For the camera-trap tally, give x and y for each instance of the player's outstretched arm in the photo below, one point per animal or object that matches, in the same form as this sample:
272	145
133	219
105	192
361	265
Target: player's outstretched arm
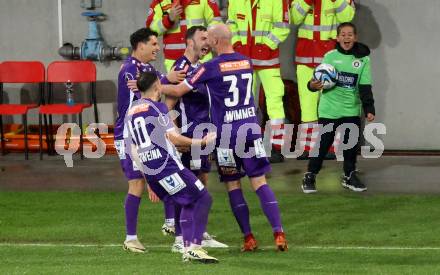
179	140
176	90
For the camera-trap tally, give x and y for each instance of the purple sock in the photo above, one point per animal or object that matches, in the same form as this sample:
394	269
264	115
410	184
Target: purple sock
200	216
177	211
131	213
186	223
240	209
270	208
168	205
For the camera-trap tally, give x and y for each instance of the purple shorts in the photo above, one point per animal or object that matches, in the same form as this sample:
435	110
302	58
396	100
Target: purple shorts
230	165
183	187
202	165
129	168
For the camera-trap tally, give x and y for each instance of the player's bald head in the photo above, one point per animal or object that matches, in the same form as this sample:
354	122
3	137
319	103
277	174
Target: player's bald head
220	32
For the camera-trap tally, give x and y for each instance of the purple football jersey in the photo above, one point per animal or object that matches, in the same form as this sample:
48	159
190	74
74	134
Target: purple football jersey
130	70
147	123
193	107
227	81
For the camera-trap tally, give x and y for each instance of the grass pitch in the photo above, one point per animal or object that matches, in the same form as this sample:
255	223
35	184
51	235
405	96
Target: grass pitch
335	233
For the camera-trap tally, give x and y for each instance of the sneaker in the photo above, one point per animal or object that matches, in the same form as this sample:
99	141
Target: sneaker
308	184
280	241
178	247
276	156
353	183
303	156
134	246
168	230
250	243
209	241
198	255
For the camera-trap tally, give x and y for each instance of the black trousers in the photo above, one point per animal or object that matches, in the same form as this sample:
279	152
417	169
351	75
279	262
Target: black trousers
350	155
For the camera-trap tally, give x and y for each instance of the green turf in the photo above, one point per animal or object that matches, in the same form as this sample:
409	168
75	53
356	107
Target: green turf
333	220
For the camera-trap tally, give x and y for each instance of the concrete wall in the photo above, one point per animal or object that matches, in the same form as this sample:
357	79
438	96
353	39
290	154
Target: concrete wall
402	35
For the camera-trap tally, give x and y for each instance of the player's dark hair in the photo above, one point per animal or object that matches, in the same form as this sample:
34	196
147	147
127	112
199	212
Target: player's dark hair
141	35
192	31
146	80
346	24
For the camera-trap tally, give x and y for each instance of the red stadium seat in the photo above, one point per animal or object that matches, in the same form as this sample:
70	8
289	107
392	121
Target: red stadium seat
20	72
63	72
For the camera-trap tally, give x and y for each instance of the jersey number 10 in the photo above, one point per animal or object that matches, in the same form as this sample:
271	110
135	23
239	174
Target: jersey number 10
140	134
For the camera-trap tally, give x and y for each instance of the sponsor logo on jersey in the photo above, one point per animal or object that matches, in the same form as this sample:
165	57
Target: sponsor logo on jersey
138	108
347	80
356	64
235	65
198	74
150	12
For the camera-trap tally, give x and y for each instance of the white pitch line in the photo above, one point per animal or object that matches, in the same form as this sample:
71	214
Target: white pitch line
233	247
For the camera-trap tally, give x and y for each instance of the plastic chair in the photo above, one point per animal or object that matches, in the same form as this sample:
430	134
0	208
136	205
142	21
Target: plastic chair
64	72
20	72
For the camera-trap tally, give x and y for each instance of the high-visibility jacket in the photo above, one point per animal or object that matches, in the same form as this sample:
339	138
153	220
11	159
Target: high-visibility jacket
317	22
258	27
195	13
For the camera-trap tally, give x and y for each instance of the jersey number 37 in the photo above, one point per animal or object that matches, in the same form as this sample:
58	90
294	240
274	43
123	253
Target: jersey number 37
235	99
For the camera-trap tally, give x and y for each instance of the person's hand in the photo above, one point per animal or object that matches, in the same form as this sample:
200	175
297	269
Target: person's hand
131	84
176	76
209	138
152	196
175	12
370	117
316	84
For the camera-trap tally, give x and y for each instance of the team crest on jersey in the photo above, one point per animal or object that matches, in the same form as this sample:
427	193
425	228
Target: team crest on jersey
356	64
150	12
235	65
163	120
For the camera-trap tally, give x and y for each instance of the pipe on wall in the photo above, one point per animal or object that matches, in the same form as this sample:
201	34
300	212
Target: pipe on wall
60	24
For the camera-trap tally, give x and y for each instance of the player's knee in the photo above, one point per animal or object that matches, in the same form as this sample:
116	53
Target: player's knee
233	185
257	182
136	187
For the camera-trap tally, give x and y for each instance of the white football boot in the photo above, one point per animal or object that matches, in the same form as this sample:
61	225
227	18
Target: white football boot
209	241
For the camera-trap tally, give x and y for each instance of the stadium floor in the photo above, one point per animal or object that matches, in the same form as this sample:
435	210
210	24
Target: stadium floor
388	174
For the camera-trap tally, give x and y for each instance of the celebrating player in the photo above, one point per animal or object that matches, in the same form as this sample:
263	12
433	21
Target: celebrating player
145	47
194	110
152	132
227	81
